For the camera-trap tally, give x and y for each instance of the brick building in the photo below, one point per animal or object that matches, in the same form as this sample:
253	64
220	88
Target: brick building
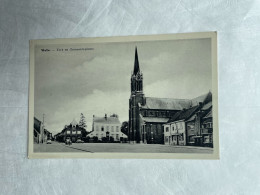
147	115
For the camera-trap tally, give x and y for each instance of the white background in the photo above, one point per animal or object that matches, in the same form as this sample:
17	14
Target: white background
237	23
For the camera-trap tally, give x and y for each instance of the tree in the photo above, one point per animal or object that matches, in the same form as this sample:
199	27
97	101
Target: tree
124	127
82	121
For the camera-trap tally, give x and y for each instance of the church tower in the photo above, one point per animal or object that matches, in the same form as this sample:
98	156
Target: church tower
136	99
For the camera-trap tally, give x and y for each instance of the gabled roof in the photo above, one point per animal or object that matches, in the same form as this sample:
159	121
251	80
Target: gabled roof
205	98
74	122
208	115
184	114
207	106
106	120
166	103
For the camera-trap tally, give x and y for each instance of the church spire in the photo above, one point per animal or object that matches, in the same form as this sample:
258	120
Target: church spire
136	66
137	77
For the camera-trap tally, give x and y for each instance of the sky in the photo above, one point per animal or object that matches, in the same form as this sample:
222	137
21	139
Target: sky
96	81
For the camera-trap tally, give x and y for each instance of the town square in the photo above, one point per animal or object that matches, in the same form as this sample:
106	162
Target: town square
154	125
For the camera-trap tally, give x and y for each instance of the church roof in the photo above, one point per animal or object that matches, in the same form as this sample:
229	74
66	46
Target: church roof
106	120
166	103
136	65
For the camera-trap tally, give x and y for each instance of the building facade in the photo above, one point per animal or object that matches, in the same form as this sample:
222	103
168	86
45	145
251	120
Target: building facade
191	126
72	131
106	127
177	127
147	115
40	134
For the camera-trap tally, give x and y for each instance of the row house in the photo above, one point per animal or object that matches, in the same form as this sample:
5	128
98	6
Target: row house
40	134
191	126
175	128
200	127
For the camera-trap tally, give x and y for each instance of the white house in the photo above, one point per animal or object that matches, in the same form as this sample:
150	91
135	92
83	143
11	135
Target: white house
107	127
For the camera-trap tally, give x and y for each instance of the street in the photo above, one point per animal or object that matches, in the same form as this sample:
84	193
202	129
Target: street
119	148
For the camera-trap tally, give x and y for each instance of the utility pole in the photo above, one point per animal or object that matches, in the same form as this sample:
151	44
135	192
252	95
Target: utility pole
42	136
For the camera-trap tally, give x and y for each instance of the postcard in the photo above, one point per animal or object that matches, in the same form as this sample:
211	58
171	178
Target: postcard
143	97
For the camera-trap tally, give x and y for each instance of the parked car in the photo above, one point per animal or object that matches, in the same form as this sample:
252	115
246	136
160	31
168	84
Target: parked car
79	141
68	141
48	141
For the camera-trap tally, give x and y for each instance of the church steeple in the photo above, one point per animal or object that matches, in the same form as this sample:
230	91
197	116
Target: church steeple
137	77
136	65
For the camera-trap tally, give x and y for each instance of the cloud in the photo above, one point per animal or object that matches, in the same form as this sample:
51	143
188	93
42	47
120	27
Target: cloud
98	103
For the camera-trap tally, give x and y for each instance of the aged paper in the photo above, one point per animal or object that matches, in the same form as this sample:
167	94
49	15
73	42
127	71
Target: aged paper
151	96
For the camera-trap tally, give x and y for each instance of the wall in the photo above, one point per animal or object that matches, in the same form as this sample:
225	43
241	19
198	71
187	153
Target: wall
237	23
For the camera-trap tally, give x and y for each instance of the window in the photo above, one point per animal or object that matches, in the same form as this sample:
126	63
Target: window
97	134
117	136
167	129
112	128
68	132
79	132
112	135
102	128
107	128
97	128
117	129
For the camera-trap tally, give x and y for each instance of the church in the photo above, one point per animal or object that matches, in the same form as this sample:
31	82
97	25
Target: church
147	115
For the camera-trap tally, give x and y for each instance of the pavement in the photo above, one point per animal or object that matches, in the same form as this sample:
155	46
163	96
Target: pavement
118	148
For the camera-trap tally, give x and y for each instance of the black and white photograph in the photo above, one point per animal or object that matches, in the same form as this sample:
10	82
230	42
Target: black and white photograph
124	97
